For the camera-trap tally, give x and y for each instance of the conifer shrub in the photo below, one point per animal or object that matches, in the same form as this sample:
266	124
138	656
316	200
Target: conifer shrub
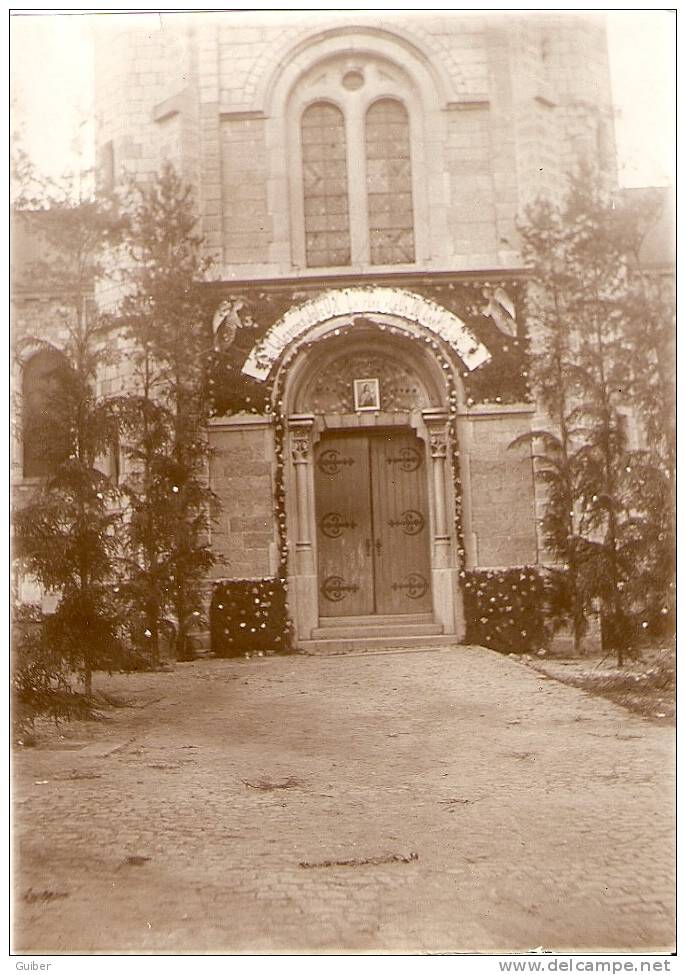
249	616
506	609
41	680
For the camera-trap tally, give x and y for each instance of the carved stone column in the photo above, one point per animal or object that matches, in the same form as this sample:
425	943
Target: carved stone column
443	567
437	427
303	576
301	458
439	453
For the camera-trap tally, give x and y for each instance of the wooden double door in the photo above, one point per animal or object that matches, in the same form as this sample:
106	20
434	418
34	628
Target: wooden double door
372	524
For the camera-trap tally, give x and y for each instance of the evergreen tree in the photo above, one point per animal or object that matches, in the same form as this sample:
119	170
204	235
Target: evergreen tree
651	338
555	377
597	307
167	314
607	506
65	534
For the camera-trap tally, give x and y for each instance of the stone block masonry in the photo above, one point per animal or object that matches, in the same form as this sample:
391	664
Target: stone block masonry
498	479
504	122
241	474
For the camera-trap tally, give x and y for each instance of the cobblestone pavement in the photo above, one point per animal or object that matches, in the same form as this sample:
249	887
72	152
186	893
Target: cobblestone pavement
539	816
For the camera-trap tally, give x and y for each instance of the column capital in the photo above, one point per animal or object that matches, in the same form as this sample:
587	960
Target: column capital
300	429
300	448
438	442
437	427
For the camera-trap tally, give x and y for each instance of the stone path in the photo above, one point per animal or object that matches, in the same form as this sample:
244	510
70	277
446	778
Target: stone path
498	810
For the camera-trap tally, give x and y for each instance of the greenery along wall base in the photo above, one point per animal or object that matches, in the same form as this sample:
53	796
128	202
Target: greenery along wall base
249	616
506	609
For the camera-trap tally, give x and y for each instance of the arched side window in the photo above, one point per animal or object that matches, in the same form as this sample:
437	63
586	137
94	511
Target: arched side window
325	186
46	441
389	183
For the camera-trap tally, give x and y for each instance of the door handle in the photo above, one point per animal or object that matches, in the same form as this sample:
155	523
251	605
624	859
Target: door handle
377	546
367	547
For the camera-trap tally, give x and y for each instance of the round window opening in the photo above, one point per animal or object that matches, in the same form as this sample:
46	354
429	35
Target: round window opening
352	80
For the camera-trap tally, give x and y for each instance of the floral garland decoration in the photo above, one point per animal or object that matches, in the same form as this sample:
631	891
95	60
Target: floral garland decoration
504	379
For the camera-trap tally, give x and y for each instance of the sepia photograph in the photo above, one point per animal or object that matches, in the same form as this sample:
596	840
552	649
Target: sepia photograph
343	484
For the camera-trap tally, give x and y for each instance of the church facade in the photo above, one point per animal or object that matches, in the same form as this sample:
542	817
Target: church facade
359	183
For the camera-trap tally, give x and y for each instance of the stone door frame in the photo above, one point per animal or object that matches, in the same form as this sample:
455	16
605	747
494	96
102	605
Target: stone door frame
303	432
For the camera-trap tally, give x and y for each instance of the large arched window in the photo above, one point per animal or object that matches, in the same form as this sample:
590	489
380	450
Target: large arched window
357	175
325	186
382	202
389	183
46	441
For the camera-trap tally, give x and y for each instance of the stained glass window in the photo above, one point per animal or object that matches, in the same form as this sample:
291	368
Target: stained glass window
325	186
389	183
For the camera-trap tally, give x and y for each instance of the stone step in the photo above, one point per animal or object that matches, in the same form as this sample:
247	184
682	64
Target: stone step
376	620
375	643
379	630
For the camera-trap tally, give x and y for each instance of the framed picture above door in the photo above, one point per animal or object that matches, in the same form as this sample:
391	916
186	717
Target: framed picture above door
366	395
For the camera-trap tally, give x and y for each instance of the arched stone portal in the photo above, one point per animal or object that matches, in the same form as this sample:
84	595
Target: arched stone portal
369	490
411	313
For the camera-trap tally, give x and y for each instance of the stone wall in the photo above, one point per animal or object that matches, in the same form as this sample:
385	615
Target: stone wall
246	220
516	100
497	480
472	217
242	477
